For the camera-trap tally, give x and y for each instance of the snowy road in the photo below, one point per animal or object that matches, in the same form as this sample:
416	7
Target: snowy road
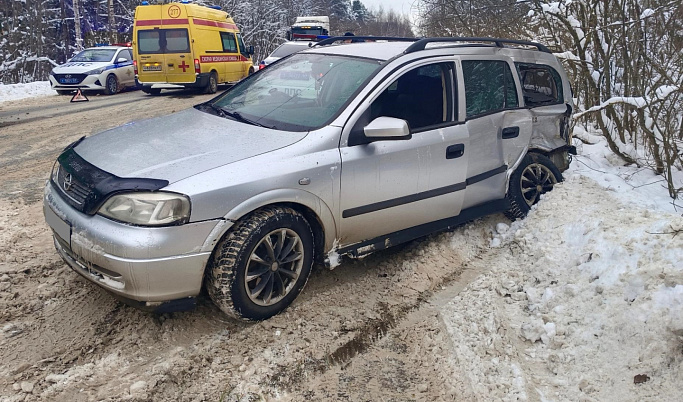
580	301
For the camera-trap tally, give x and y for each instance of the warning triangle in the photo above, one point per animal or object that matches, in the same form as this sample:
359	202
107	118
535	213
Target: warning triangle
79	97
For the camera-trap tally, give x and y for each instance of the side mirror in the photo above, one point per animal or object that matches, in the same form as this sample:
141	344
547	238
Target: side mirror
387	128
121	60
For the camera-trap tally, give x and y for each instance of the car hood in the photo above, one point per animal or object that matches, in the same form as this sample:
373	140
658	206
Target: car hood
179	145
75	67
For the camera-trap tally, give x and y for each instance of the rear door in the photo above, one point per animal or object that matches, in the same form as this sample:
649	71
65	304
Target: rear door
178	61
499	129
146	41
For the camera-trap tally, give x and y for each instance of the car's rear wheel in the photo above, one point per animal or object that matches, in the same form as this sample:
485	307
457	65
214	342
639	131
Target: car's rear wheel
262	264
536	175
112	85
212	86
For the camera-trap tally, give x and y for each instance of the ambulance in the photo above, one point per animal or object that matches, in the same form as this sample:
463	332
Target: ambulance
188	45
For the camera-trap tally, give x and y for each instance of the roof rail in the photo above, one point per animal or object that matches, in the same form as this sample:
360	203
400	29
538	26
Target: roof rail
422	43
354	39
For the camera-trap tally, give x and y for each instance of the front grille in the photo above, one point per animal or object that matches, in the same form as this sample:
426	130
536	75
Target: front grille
86	187
69	78
71	186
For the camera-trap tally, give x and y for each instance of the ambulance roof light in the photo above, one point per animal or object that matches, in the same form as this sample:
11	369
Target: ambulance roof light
216	7
184	1
145	3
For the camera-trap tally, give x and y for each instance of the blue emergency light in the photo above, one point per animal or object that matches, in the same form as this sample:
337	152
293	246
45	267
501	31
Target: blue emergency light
145	3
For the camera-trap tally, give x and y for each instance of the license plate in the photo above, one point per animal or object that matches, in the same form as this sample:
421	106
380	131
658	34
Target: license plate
68	80
61	228
151	68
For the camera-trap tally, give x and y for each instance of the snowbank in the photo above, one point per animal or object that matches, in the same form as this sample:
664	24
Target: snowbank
13	92
584	298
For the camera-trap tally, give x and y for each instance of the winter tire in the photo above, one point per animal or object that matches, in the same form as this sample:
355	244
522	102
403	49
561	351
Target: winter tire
112	85
212	86
536	175
261	264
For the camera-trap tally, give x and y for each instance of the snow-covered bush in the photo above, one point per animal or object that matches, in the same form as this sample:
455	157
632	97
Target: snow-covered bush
626	61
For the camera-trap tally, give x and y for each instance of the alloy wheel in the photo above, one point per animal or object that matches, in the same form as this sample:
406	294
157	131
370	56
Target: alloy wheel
536	179
274	267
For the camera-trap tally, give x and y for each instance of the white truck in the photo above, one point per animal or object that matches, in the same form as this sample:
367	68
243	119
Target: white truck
309	28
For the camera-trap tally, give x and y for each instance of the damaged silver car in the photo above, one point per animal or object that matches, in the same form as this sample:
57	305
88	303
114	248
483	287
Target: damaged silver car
341	149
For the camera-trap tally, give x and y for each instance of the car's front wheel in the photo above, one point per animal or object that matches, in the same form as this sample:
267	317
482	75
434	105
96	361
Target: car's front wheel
262	264
535	175
112	85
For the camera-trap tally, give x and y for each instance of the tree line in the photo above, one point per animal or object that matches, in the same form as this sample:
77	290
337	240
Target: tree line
39	34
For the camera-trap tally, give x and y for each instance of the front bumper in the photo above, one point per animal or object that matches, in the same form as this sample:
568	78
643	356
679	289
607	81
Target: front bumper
150	266
90	82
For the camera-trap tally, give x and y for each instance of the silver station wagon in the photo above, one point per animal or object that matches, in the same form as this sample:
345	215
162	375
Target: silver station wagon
341	149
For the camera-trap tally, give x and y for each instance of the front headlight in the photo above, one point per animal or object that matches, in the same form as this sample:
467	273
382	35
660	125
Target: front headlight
96	71
148	209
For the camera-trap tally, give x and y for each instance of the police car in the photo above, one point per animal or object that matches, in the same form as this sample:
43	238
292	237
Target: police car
285	50
103	68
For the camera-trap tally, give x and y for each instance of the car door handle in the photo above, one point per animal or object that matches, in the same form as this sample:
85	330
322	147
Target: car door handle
510	132
455	151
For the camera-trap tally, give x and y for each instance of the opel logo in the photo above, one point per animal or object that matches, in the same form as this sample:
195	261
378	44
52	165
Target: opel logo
68	182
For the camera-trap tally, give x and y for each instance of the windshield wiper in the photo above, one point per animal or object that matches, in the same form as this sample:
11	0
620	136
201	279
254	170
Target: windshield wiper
237	116
233	115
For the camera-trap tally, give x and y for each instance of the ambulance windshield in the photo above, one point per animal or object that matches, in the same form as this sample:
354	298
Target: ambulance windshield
300	93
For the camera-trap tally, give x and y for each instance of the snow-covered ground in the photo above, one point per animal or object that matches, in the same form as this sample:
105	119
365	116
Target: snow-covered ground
581	301
584	300
13	92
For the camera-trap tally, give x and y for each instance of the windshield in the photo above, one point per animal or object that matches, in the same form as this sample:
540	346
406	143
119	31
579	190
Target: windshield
288	48
95	55
300	93
307	30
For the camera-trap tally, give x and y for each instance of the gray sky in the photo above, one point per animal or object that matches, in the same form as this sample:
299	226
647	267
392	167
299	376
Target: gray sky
400	6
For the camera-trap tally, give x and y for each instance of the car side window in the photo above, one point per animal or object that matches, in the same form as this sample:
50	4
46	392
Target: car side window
541	85
489	87
240	42
125	53
423	97
229	43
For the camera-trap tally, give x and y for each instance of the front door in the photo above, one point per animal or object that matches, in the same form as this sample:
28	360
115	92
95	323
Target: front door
233	67
390	185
